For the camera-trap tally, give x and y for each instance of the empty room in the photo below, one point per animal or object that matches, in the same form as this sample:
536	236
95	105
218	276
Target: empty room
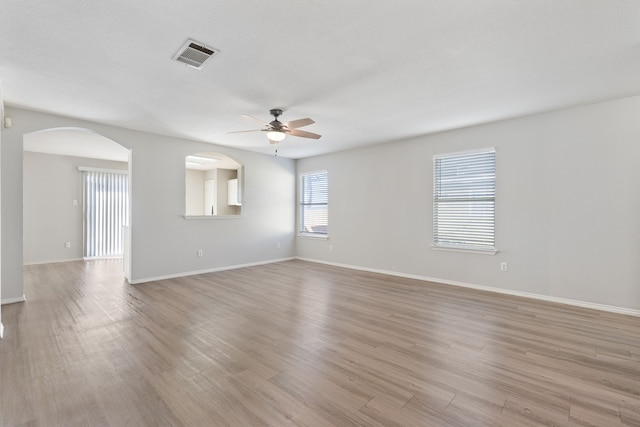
328	213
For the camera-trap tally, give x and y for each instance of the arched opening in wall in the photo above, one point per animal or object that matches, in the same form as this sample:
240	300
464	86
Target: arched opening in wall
76	197
213	185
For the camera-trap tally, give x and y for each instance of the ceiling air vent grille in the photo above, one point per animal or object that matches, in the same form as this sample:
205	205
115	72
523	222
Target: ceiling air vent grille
194	54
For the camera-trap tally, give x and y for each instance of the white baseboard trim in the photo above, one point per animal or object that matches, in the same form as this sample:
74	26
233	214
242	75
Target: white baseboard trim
209	270
558	300
53	261
12	300
1	330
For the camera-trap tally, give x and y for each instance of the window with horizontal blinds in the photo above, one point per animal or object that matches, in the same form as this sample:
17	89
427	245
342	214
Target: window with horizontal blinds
314	203
464	200
106	212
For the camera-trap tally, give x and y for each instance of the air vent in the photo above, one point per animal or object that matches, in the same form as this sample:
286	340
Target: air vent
194	54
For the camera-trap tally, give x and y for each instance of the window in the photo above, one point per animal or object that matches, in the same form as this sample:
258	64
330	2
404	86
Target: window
314	203
464	200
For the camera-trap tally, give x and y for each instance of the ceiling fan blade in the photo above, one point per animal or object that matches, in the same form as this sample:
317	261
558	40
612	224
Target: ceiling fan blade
253	118
304	134
299	123
243	131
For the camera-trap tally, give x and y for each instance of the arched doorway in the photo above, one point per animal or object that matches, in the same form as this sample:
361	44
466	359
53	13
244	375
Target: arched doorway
56	165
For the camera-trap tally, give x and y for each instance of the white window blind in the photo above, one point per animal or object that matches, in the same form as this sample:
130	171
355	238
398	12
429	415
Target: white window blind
106	211
464	200
314	203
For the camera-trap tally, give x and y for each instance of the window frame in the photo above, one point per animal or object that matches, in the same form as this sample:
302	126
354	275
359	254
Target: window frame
465	243
302	205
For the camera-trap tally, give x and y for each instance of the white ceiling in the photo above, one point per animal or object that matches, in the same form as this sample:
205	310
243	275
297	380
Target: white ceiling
366	71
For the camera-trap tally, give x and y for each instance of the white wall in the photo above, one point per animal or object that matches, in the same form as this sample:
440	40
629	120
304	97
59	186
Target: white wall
51	183
567	206
164	243
11	215
194	192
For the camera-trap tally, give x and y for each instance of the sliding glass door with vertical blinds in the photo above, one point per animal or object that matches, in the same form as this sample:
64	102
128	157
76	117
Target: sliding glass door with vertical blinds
106	212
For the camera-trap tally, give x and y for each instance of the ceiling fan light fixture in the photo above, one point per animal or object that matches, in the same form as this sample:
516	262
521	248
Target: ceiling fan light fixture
275	135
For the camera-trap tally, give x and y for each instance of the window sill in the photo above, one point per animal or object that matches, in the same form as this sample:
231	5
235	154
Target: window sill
465	250
313	236
212	217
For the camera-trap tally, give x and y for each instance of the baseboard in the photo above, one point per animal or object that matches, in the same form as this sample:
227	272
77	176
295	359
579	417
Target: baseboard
53	261
209	270
12	300
558	300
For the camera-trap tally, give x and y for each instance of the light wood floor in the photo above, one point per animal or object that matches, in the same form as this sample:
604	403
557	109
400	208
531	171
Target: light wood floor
301	344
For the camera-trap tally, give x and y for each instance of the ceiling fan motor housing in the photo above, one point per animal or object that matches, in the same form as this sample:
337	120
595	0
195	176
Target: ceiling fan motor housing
277	125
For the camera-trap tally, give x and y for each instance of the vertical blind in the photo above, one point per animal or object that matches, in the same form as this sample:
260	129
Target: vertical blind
464	200
106	211
314	202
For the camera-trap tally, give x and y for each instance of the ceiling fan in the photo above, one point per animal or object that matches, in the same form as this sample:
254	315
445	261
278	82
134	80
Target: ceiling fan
277	130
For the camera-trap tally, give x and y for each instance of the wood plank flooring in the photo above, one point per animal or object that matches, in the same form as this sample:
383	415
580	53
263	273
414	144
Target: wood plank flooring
303	344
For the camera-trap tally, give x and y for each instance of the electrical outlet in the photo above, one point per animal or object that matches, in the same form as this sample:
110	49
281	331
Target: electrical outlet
67	244
278	245
504	266
74	202
200	252
330	248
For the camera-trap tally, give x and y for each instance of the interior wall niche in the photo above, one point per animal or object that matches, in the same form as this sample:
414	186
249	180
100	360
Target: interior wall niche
213	185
